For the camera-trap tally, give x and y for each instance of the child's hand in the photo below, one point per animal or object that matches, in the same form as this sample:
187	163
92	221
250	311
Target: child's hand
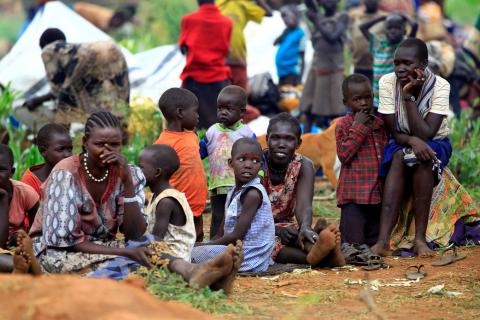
306	234
422	151
362	116
118	160
414	84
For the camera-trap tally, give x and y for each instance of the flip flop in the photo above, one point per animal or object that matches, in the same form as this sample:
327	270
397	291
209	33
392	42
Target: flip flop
375	265
447	259
415	275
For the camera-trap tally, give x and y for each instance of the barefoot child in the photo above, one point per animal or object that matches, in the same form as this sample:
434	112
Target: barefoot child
54	144
170	216
414	103
289	181
383	49
17	202
180	108
361	138
217	146
248	215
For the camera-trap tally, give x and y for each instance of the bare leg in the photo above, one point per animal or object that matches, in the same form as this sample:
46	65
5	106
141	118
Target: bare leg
392	197
291	255
205	274
6	263
226	283
422	196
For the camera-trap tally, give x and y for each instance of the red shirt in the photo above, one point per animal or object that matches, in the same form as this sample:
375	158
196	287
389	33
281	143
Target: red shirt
360	150
206	33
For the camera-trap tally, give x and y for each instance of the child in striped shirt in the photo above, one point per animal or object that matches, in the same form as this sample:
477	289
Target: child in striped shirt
383	47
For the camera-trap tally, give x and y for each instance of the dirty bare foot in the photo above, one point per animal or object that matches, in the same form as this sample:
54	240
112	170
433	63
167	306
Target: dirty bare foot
381	250
322	247
25	249
422	250
20	263
226	283
211	271
320	225
337	260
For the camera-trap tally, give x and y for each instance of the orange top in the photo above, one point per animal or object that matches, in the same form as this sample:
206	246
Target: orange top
190	177
31	179
24	198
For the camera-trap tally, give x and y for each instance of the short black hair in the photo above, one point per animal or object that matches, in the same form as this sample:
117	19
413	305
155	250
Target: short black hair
253	143
353	78
7	152
286	118
292	8
395	18
238	91
51	35
101	119
45	132
165	157
175	98
420	47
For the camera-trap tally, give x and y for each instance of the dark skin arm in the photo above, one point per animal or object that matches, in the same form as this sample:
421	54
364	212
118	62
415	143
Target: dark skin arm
413	24
266	7
33	103
420	148
251	201
4	207
134	225
303	208
139	255
365	27
167	211
322	25
32	212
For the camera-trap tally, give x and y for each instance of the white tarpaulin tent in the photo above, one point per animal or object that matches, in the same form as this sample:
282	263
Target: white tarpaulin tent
151	72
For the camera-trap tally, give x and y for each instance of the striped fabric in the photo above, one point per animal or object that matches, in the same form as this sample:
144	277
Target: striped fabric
382	51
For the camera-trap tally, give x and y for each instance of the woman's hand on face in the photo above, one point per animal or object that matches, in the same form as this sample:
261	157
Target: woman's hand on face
422	150
414	84
139	255
116	159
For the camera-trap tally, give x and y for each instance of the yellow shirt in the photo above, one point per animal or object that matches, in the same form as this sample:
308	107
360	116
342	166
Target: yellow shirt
240	11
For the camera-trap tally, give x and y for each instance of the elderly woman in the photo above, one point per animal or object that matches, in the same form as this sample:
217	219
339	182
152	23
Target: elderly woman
289	181
89	198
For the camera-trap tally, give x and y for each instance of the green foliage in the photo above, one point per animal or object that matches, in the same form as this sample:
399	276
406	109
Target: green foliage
24	153
465	160
170	286
159	23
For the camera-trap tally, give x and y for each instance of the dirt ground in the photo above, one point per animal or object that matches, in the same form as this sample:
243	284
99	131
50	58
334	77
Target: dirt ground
68	297
324	294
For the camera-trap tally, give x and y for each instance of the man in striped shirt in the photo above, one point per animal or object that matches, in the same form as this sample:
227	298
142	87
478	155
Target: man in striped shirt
383	47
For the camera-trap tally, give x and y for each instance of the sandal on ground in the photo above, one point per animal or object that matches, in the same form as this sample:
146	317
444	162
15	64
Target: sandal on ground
375	265
415	275
447	259
351	255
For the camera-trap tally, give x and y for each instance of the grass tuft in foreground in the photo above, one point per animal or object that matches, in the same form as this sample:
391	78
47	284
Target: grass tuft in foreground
166	285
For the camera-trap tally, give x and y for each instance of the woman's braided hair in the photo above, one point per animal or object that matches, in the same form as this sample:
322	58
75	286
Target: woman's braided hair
101	119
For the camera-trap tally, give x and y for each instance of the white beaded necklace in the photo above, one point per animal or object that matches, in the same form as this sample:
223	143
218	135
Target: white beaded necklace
85	166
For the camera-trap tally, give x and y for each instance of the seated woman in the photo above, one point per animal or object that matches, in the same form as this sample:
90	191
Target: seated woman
89	198
414	103
289	181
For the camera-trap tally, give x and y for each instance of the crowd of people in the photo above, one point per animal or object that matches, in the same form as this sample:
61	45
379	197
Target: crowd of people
87	213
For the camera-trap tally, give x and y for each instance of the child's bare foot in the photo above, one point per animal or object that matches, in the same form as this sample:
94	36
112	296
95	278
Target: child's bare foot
381	250
211	271
422	250
25	250
226	283
338	260
322	247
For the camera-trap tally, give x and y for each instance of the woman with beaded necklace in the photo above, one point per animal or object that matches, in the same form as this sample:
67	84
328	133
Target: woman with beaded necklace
289	181
89	198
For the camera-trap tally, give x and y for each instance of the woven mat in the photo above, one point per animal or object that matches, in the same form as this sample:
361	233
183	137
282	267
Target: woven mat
275	269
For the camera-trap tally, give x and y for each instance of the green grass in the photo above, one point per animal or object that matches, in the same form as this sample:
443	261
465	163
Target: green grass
166	285
463	11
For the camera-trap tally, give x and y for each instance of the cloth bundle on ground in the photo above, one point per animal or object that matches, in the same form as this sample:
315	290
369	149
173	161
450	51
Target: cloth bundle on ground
453	216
